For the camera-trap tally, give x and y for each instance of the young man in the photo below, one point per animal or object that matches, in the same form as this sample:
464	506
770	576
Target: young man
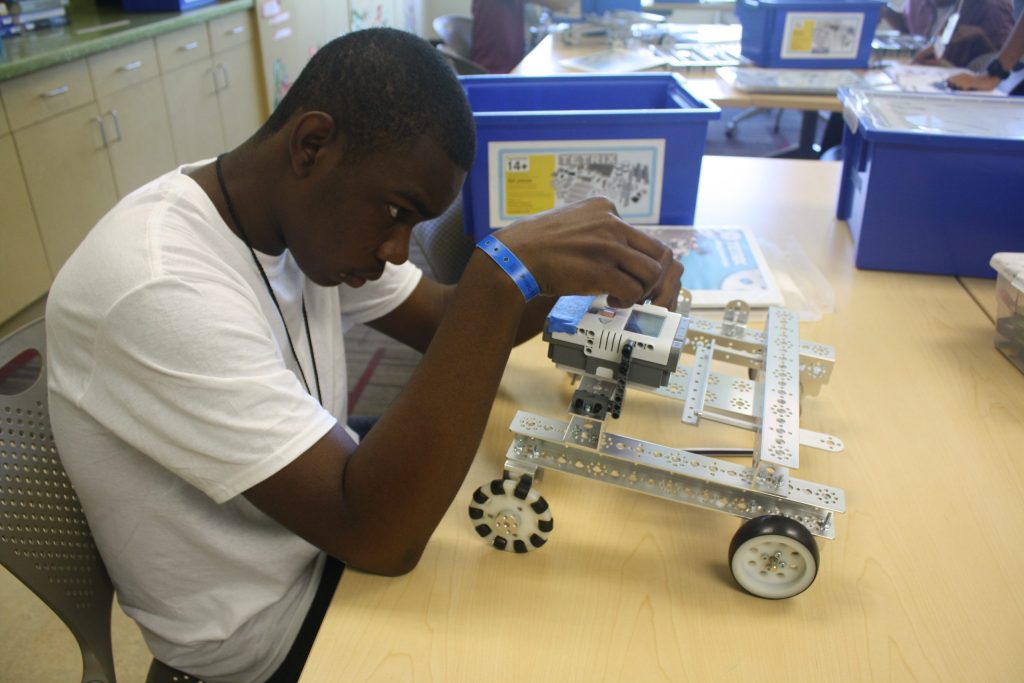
196	355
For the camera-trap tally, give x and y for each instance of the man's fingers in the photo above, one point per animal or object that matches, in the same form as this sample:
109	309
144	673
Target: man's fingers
666	293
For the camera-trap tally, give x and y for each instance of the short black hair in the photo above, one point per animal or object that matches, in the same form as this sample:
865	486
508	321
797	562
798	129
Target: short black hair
384	88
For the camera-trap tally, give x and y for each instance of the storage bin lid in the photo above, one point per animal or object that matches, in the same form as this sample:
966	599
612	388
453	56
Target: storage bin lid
1010	265
941	119
818	5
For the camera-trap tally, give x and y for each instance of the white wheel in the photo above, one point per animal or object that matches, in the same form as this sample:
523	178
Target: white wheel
773	557
511	515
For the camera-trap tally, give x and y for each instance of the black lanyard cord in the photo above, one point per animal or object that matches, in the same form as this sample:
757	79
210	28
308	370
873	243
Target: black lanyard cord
270	290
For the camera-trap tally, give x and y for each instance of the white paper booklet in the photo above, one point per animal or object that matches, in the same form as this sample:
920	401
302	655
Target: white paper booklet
721	263
795	81
617	60
929	79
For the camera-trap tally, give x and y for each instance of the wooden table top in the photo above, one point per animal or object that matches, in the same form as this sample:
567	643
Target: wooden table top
920	583
546	59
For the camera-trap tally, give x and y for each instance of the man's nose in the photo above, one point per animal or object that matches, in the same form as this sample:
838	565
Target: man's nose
396	249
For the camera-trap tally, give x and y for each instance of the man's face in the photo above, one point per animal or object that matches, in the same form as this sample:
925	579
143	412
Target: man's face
353	218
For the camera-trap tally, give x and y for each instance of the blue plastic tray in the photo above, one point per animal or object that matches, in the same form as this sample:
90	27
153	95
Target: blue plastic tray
542	141
808	34
930	183
163	5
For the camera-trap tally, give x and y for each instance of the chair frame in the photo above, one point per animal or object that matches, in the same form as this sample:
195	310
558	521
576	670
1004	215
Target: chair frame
456	31
45	540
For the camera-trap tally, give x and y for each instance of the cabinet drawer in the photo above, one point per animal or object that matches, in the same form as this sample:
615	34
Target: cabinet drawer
42	94
182	47
122	67
234	29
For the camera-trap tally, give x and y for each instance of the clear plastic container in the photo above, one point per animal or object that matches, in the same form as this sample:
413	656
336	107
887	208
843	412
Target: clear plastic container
1010	306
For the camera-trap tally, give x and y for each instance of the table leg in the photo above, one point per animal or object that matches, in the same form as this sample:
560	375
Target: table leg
806	148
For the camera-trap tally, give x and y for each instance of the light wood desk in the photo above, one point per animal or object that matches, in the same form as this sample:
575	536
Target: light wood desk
922	582
984	293
546	59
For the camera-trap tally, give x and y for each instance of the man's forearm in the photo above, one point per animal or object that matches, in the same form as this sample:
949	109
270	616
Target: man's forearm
536	313
1013	48
404	475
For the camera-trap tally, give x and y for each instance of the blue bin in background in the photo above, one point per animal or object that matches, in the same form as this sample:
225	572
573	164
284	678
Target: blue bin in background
808	34
930	183
546	141
602	6
163	5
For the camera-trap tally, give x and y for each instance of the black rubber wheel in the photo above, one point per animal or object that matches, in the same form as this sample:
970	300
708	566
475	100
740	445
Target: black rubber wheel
773	557
511	515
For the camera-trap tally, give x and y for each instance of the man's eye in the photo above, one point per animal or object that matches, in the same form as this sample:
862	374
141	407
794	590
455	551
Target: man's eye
394	211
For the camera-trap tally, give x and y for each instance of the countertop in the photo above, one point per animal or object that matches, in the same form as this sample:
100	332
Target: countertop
94	28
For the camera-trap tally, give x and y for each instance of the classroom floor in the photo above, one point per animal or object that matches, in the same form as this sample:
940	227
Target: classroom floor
37	647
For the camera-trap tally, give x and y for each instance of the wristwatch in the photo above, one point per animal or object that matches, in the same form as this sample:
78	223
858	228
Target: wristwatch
995	68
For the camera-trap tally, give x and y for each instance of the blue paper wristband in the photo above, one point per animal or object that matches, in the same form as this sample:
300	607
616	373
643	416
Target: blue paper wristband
512	266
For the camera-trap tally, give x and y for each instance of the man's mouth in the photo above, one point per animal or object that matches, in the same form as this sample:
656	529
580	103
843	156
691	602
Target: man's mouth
351	279
358	279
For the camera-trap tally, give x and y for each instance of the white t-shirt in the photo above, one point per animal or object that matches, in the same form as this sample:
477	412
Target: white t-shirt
172	390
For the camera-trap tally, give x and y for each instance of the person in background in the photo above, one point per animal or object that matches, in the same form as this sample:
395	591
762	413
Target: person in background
999	68
499	32
196	365
983	26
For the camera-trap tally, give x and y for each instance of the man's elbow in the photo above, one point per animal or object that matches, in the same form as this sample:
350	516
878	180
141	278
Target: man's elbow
390	562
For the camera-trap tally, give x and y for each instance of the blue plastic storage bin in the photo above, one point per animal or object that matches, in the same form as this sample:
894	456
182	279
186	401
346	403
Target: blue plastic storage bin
931	183
602	6
546	141
808	34
163	5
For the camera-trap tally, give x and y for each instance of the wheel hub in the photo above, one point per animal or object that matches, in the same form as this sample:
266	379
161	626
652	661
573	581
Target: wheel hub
507	522
773	563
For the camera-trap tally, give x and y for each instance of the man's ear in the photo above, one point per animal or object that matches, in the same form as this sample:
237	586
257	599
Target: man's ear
312	141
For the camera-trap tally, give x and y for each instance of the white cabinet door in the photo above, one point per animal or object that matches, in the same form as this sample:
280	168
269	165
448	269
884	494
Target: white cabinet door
191	93
24	273
67	170
139	134
241	93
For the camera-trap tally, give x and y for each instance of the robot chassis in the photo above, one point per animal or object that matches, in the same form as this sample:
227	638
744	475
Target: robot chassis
773	554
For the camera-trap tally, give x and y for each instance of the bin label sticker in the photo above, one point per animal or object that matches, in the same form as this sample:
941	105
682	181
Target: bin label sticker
525	178
822	35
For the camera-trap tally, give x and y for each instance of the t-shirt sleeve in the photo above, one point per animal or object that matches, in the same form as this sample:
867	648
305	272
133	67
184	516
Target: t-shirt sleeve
377	298
189	373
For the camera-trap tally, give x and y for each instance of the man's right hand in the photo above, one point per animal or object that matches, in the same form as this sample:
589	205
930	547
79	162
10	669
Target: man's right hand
585	248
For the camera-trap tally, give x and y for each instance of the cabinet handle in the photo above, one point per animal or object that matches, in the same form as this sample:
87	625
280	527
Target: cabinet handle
131	66
117	125
236	30
224	70
188	47
59	90
213	77
103	131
